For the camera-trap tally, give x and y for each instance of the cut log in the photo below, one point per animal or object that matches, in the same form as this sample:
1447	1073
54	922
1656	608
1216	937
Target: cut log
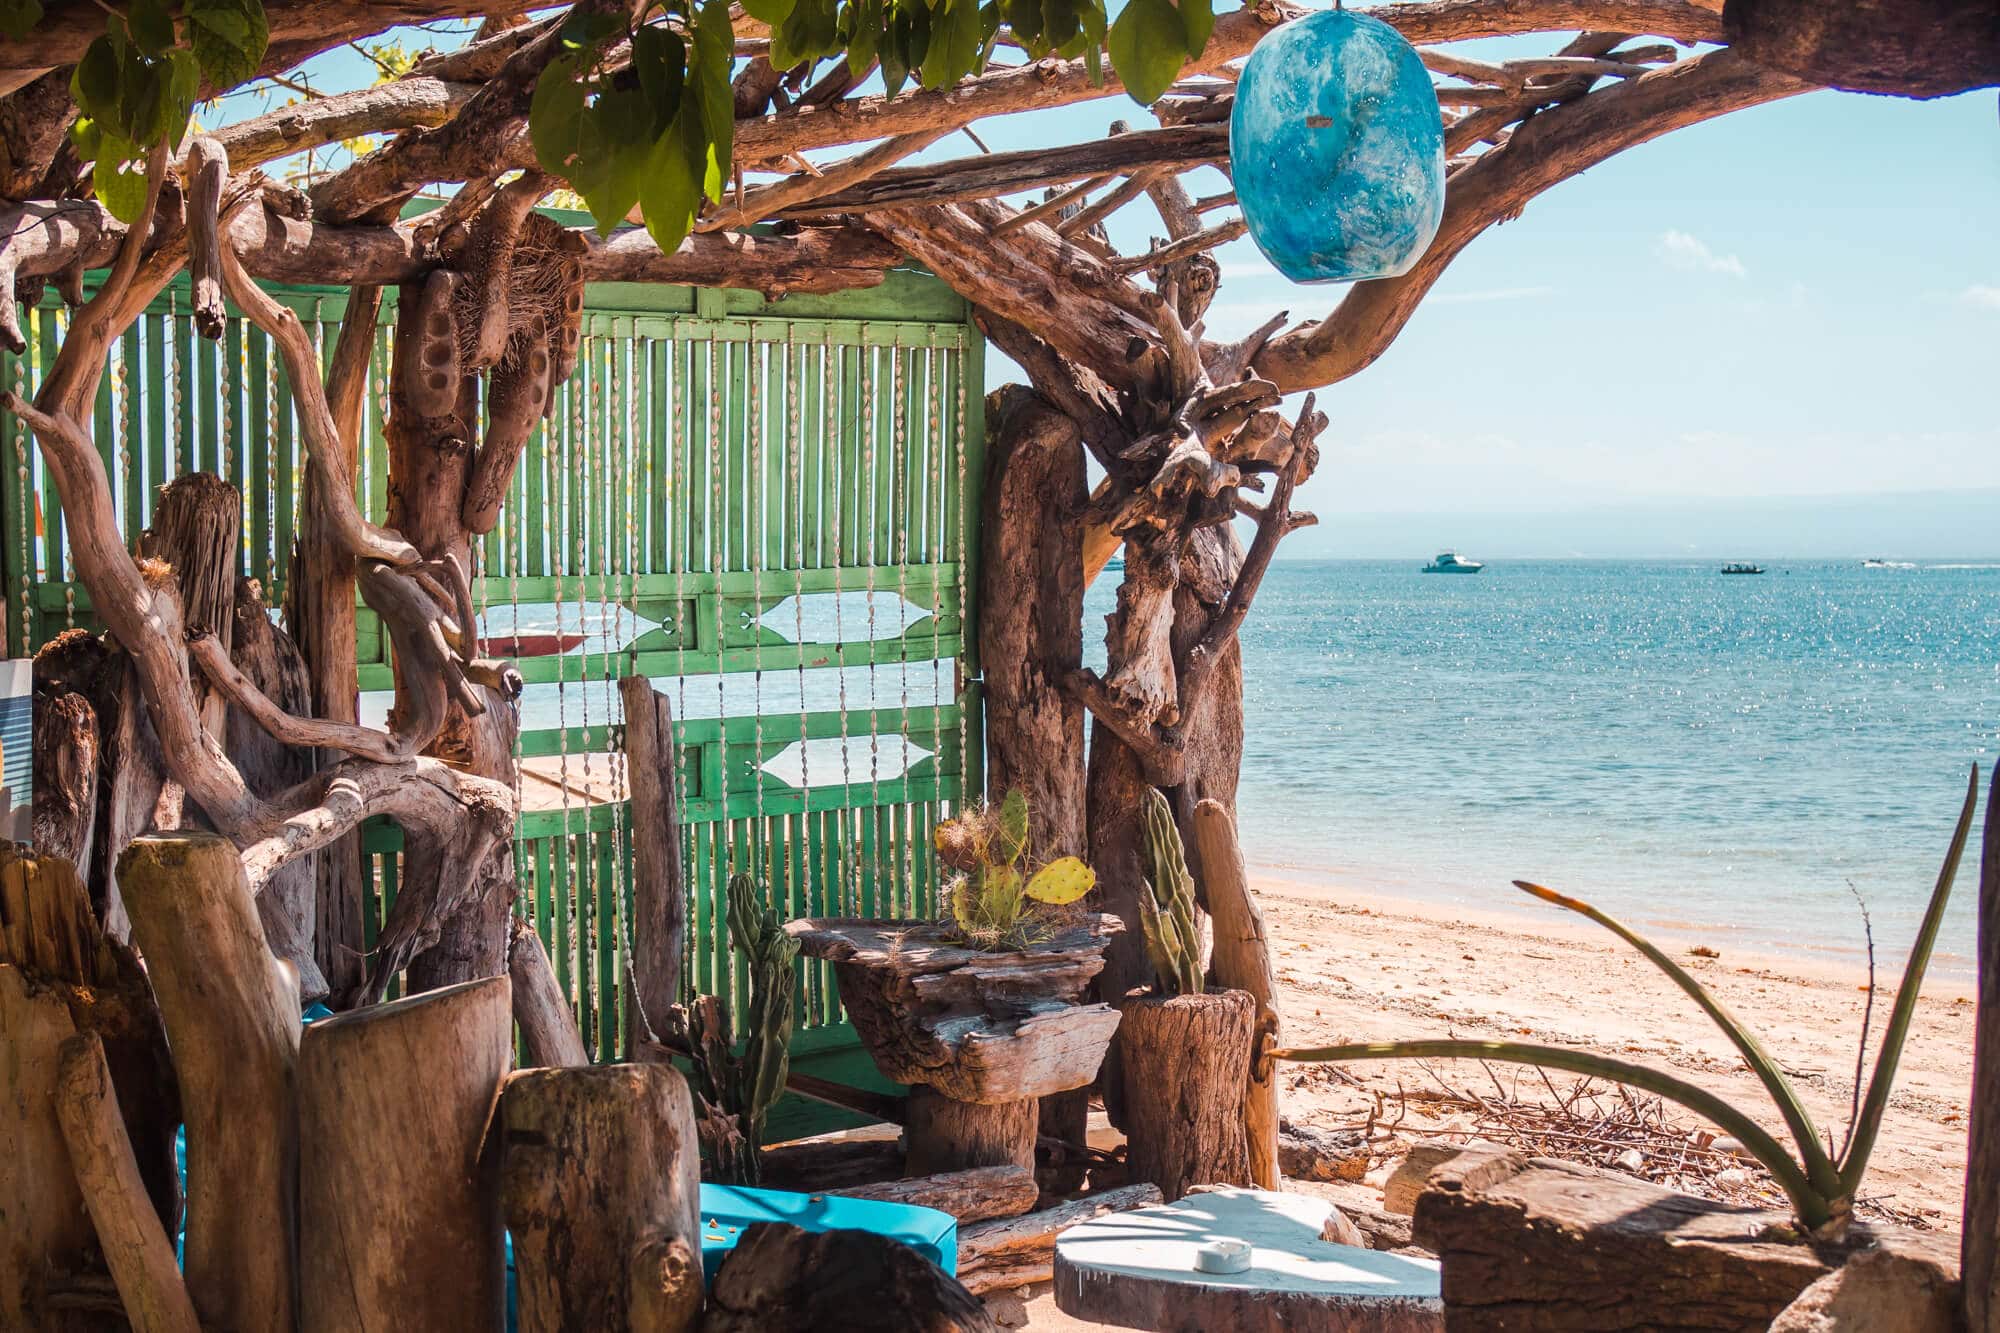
784	1279
600	1169
659	903
1015	1251
1536	1243
232	1016
1065	1120
1240	959
1875	1289
1186	1063
550	1037
815	1166
944	1134
665	1295
978	1195
134	1243
394	1105
1982	1160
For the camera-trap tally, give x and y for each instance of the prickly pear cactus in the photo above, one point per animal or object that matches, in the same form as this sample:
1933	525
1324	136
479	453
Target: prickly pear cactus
1166	915
988	848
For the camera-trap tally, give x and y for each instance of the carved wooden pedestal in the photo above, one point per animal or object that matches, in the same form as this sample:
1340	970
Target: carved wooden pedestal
977	1036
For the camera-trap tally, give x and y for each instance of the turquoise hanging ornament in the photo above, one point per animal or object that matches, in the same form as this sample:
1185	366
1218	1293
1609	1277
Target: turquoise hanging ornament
1337	149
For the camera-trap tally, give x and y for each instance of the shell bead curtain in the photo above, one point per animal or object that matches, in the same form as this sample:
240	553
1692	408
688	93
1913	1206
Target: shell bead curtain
1338	149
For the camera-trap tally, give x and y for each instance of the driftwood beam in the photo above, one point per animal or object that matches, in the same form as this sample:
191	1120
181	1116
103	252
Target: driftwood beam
976	1195
812	187
1981	1253
996	174
1015	1251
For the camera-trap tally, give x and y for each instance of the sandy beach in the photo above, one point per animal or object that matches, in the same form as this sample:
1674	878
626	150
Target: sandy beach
1356	966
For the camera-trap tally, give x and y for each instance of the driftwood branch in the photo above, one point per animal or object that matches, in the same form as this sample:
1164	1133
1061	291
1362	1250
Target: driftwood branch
813	187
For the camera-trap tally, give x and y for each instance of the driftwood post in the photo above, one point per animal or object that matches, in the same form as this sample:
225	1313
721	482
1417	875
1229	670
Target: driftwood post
232	1014
1981	1259
128	1231
398	1193
550	1037
659	905
1187	1062
1240	958
600	1179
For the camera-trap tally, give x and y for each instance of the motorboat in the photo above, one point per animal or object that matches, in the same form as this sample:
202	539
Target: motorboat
1737	567
1451	562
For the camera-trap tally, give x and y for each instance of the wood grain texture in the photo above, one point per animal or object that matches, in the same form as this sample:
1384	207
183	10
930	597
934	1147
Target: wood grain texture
1536	1243
1015	1251
396	1186
659	893
1240	959
1186	1066
785	1279
941	1133
1981	1254
975	1195
600	1166
232	1014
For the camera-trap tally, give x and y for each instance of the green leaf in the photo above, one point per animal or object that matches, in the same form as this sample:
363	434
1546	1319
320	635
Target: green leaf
955	43
1861	1138
119	177
1060	22
1197	21
583	29
18	18
1148	48
669	193
660	57
714	51
555	115
229	38
613	152
863	34
1025	18
96	80
772	12
1062	881
152	26
894	55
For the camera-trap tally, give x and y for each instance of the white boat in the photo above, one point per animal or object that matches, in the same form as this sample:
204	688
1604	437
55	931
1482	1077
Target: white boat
1451	562
1877	562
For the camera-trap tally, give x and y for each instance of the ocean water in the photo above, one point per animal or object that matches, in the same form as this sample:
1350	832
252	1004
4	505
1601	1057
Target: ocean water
1740	755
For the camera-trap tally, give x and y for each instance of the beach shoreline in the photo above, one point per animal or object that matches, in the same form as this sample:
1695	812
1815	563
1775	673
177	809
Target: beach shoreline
1358	965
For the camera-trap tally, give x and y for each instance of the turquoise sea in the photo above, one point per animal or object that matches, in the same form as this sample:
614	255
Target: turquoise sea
1682	748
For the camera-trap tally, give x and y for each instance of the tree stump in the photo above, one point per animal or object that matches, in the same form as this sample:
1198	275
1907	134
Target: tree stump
232	1015
396	1188
600	1172
1536	1243
1185	1069
942	1134
784	1279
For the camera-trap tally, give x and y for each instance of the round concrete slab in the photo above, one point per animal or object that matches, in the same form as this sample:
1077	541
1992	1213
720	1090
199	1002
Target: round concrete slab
1138	1270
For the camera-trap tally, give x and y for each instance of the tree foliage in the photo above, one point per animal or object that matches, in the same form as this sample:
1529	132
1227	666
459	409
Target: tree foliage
637	116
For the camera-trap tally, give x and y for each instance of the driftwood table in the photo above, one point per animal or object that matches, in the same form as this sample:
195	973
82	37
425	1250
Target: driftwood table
1138	1270
977	1037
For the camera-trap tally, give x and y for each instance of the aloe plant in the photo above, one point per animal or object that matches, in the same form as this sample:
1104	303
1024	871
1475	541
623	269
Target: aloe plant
990	893
1166	911
1820	1183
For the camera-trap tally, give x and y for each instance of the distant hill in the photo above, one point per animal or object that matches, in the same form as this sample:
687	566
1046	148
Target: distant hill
1927	523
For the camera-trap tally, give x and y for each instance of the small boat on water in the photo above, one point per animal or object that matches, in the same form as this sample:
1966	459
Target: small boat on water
1736	567
1451	562
1877	562
531	645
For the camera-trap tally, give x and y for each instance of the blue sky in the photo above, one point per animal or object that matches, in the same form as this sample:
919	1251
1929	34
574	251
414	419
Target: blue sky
1798	299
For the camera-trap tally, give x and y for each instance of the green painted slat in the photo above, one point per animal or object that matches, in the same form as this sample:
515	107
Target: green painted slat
266	563
130	424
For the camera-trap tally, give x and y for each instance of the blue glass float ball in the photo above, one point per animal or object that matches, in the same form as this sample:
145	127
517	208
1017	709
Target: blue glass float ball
1337	149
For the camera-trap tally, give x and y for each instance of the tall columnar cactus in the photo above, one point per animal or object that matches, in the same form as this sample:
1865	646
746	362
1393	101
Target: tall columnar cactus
738	1089
988	848
1173	945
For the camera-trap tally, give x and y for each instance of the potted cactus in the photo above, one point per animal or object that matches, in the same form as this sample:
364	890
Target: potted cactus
1184	1050
986	1010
